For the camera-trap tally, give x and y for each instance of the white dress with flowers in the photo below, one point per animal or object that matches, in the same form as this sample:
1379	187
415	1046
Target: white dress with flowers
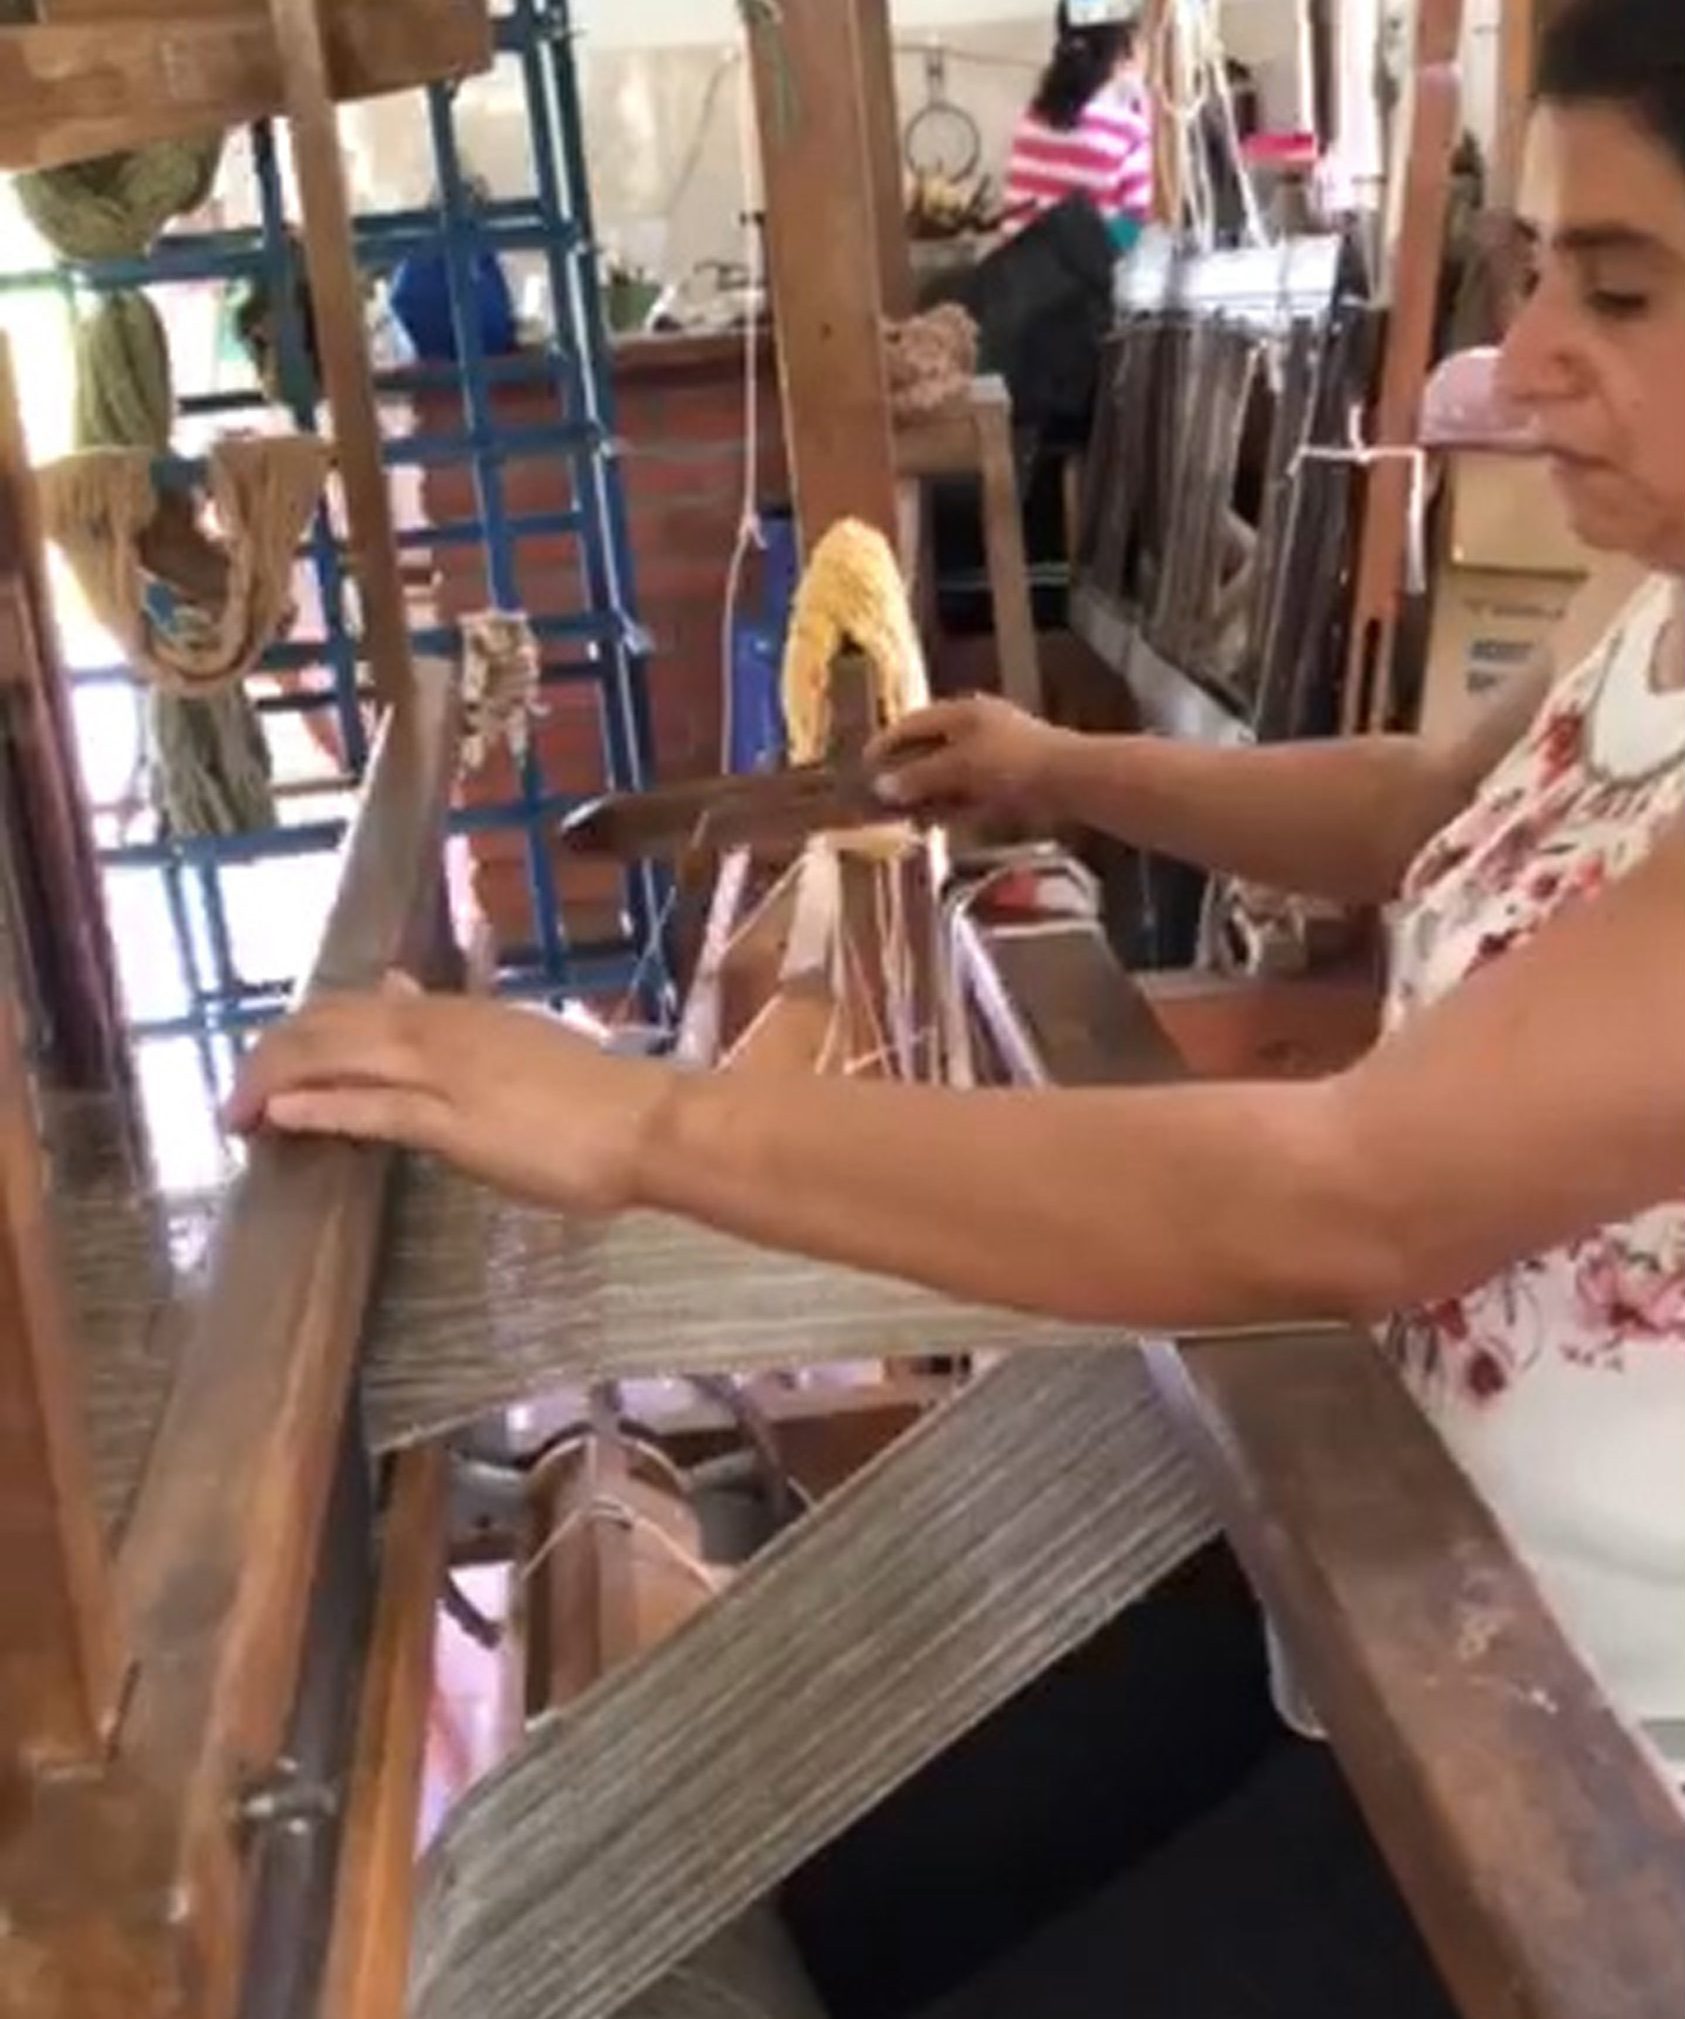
1560	1386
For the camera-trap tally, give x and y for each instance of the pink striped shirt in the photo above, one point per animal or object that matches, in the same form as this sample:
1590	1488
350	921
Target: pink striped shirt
1107	156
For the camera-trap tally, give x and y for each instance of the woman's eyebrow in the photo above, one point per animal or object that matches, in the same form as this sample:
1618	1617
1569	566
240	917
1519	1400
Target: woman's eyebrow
1594	237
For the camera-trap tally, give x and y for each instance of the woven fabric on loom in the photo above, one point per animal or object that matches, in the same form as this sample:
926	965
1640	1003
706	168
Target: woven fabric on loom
483	1305
993	1540
129	1260
978	1551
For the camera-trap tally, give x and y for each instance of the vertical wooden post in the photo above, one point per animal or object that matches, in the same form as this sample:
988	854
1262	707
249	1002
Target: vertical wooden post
367	1971
881	104
1518	36
1423	161
1162	61
822	245
343	344
61	1649
65	940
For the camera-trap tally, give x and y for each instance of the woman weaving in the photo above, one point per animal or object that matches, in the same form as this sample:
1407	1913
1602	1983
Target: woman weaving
1089	129
1497	1186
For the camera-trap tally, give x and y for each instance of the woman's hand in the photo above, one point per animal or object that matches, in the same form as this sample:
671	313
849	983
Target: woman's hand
510	1097
991	759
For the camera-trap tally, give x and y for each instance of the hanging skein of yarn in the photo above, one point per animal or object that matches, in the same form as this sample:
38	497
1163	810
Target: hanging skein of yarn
852	594
210	760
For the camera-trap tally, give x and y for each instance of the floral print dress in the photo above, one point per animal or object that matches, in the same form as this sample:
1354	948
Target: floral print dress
1560	1386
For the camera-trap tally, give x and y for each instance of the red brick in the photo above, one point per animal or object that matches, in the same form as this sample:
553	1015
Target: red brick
683	480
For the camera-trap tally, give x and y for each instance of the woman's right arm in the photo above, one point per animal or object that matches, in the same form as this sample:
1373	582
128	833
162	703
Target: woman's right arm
1341	819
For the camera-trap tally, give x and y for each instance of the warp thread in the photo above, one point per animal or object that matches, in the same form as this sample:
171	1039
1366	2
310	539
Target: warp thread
932	361
986	1546
210	760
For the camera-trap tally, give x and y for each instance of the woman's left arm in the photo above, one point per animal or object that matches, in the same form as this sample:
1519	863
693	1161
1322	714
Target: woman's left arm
1545	1098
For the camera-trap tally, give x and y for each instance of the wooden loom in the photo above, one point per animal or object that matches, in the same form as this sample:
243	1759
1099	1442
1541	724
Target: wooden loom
162	1849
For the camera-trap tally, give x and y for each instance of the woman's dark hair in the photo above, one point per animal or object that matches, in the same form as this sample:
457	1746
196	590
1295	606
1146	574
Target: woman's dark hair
1627	53
1083	61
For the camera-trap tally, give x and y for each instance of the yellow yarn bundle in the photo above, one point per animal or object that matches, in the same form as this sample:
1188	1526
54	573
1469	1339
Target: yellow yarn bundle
852	595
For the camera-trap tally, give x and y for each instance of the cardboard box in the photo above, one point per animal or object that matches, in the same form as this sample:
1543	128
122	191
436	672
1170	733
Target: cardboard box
1487	625
1506	515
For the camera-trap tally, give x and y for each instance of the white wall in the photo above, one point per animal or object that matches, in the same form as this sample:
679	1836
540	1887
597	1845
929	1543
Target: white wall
661	94
645	24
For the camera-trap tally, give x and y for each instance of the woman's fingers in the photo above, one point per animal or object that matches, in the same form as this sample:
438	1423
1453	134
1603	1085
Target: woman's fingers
414	1121
941	779
342	1042
941	722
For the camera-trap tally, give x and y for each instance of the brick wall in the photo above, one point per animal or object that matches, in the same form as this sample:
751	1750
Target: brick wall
681	420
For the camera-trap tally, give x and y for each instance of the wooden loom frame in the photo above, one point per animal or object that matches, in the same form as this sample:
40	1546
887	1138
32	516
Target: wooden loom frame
145	1703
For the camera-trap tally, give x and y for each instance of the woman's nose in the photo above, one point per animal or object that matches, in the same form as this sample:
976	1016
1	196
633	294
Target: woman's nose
1535	364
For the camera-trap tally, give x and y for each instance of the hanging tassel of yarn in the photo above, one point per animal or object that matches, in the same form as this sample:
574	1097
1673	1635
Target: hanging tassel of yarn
851	595
211	771
501	679
97	508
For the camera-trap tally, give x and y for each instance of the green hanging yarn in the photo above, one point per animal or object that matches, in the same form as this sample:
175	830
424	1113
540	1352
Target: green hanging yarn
764	20
125	394
211	770
114	208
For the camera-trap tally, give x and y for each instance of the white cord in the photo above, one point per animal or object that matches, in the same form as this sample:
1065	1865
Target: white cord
699	139
751	534
1189	68
697	146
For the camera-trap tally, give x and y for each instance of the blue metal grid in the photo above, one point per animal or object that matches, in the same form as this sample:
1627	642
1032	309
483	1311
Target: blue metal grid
601	647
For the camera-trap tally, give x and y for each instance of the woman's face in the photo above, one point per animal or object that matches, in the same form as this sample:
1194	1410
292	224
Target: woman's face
1597	355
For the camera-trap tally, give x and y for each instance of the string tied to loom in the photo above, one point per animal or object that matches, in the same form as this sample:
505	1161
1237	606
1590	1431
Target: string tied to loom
1355	453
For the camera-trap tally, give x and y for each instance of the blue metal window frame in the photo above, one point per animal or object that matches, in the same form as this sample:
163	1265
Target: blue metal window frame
603	647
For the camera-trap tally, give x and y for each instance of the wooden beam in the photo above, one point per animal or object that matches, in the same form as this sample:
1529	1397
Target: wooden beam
760	809
342	341
126	1892
823	262
1518	36
99	78
62	1657
367	1969
1538	1846
976	440
1434	127
880	97
1163	65
1243	1029
74	993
